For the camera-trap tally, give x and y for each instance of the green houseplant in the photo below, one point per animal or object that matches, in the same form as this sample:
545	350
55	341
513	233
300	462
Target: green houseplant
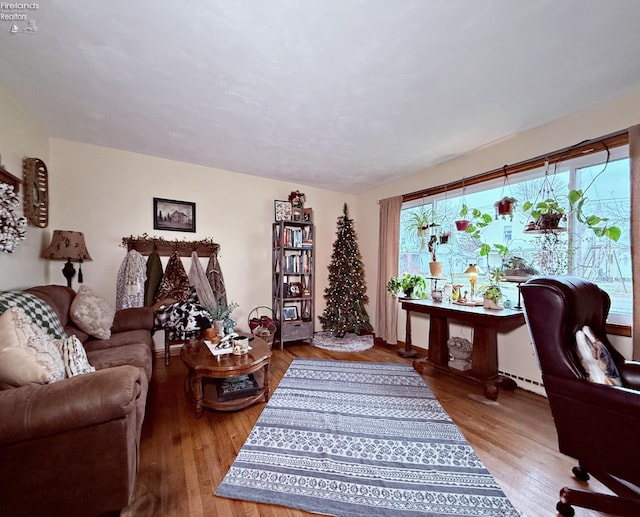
411	285
222	312
598	224
421	222
477	221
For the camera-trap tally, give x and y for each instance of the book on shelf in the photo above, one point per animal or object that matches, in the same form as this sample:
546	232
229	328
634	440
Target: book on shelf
297	237
237	387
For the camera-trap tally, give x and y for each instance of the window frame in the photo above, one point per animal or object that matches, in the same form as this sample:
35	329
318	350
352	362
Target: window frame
579	155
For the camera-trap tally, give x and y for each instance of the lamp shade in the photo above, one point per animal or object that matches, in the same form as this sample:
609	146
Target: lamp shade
67	245
472	270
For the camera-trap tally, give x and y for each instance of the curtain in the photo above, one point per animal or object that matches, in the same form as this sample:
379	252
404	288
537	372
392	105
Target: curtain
388	247
634	158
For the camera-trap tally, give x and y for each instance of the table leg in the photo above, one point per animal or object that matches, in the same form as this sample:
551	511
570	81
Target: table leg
266	383
197	386
438	336
408	351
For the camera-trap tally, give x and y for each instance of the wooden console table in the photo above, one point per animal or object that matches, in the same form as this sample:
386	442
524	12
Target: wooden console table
486	324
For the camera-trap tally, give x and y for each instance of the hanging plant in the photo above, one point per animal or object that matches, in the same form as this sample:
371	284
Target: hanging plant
12	228
505	207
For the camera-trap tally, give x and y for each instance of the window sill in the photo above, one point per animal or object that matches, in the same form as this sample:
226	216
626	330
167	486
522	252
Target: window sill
619	324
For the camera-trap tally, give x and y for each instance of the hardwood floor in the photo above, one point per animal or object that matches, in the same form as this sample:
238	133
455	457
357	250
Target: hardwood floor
183	459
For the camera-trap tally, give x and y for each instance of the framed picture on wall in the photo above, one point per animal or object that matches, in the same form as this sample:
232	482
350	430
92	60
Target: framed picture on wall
172	215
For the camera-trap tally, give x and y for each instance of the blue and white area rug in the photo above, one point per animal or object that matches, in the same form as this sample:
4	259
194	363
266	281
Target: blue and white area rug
350	438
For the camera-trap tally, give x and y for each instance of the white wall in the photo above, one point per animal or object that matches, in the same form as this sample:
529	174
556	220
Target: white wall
21	137
515	351
108	194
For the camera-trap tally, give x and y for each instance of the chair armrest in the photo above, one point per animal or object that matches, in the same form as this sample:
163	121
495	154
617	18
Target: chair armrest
37	411
602	397
630	374
134	318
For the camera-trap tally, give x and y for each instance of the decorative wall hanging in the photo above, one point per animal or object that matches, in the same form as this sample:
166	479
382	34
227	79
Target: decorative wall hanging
172	215
36	192
12	228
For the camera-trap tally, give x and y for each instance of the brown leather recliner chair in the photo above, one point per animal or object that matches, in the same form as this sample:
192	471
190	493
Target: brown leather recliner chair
597	424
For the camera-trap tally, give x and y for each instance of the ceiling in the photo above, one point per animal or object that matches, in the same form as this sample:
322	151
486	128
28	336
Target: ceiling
339	94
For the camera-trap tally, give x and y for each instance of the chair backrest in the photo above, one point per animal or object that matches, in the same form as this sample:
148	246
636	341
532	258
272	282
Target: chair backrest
556	307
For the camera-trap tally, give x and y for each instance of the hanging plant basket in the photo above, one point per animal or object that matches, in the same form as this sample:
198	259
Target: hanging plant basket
462	224
549	221
505	206
444	237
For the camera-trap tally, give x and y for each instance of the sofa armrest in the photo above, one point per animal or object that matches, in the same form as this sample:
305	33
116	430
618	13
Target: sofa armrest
134	318
36	411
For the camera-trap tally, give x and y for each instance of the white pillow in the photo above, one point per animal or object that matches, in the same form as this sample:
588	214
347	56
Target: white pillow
74	356
27	353
596	359
92	314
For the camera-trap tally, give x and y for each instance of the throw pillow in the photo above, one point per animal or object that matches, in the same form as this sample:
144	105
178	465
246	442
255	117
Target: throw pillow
596	359
74	356
40	312
27	354
603	356
92	314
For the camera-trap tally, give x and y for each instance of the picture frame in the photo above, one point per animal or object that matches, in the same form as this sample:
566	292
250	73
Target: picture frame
173	215
307	215
283	210
290	313
294	290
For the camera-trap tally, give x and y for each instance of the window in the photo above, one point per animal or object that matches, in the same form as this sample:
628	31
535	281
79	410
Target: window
575	250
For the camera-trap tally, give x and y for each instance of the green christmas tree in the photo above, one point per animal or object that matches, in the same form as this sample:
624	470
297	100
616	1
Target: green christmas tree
346	295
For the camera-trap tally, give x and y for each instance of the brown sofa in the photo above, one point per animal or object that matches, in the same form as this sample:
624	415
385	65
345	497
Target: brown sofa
72	447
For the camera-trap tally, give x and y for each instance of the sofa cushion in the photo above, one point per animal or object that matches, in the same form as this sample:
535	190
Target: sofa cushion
119	339
596	359
135	354
41	313
27	354
92	314
74	356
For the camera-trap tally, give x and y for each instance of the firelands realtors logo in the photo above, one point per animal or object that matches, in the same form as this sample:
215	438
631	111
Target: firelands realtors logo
18	16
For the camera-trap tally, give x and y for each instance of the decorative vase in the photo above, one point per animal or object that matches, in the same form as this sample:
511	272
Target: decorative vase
462	225
408	292
218	325
436	295
489	303
435	268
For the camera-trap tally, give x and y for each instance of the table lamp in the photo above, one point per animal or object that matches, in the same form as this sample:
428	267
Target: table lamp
473	271
69	246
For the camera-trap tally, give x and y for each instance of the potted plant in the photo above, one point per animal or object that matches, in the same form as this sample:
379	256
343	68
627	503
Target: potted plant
221	317
444	237
475	221
422	223
491	295
505	207
411	285
516	268
463	223
598	224
546	214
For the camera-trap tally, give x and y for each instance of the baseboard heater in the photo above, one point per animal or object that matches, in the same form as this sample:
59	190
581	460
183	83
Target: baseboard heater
519	379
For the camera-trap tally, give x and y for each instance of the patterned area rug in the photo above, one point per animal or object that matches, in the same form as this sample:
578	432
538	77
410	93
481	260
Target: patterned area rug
349	438
349	343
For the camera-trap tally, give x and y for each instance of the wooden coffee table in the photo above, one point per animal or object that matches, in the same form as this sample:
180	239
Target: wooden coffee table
207	372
